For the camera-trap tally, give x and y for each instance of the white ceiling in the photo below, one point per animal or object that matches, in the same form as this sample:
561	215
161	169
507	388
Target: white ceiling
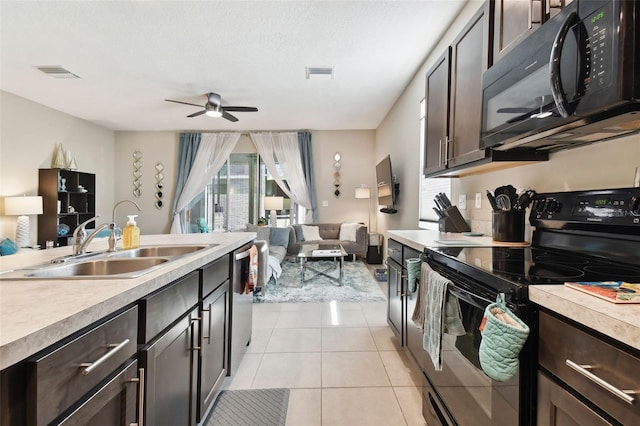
131	55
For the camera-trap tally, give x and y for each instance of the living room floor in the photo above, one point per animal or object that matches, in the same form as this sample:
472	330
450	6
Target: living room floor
341	361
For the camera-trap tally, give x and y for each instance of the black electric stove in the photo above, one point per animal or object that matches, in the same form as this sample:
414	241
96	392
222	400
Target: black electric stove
578	236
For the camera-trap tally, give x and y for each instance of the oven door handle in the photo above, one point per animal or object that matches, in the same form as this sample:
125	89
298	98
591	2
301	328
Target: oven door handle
475	300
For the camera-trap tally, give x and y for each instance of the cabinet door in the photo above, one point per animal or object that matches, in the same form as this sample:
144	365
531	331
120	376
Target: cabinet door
557	407
395	308
469	58
213	355
515	20
171	374
113	404
437	114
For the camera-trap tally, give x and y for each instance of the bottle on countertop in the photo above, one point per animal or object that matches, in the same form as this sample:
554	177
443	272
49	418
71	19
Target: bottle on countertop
131	233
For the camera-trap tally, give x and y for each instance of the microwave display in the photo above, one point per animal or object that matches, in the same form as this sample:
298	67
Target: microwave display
598	47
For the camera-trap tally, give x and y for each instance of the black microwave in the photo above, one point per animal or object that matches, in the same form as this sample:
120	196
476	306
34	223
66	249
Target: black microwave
575	80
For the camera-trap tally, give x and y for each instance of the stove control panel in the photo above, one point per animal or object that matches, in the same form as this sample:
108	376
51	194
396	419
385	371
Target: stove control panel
614	206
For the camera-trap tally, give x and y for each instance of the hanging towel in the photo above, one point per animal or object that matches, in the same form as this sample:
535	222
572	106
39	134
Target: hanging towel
442	315
252	277
421	299
413	272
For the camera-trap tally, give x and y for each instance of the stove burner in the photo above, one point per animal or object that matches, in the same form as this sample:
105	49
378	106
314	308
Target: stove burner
610	272
563	259
553	271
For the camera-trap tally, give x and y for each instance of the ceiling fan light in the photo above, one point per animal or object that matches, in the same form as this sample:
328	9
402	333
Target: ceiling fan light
213	111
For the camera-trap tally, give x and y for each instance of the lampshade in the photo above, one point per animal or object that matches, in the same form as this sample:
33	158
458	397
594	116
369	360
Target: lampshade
273	203
18	206
363	192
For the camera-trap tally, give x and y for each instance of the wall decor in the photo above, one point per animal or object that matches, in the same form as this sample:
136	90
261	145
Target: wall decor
137	173
70	162
336	174
58	160
159	185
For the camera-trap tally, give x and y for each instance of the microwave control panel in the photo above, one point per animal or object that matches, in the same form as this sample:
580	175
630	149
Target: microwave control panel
598	44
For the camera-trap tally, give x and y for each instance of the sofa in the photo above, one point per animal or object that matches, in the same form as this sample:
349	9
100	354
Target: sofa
352	237
272	243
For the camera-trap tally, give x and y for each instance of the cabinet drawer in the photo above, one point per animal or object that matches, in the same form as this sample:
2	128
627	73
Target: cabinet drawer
160	309
394	251
61	377
562	344
214	274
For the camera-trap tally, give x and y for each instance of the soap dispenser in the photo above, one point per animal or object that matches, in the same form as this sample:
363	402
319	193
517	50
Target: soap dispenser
131	233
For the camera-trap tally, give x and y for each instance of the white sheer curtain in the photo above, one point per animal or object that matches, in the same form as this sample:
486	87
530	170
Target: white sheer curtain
287	152
212	153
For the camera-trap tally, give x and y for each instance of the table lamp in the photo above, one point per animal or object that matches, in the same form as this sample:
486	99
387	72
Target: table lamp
273	204
22	207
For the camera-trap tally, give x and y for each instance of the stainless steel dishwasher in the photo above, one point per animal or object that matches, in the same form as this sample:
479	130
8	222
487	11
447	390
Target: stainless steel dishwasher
241	308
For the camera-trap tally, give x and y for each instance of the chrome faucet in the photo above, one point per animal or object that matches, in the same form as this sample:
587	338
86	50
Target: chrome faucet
80	238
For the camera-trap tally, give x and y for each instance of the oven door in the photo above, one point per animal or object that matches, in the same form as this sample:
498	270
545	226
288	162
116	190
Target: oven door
461	392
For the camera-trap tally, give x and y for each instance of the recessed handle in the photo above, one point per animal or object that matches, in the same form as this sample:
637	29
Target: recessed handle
584	370
140	382
88	367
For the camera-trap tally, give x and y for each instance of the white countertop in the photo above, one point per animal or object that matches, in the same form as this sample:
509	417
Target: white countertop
419	239
36	313
618	321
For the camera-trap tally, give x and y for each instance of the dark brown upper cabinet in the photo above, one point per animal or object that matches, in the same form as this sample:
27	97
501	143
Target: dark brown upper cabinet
515	20
453	97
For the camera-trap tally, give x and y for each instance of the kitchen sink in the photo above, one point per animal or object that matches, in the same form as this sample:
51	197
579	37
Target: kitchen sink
99	267
159	251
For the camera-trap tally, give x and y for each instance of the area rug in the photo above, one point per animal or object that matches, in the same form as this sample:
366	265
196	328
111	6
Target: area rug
358	284
252	407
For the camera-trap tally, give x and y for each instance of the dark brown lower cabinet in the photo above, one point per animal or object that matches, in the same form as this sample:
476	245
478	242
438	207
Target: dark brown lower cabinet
558	407
116	403
170	363
213	344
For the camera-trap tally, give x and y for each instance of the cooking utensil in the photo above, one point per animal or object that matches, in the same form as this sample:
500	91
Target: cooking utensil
492	200
503	202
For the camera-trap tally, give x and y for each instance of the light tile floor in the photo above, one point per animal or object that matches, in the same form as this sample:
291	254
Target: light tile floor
341	361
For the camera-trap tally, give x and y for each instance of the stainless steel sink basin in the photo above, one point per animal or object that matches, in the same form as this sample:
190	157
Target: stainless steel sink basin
98	267
160	251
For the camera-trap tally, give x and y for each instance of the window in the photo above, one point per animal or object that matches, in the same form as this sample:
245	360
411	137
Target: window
429	187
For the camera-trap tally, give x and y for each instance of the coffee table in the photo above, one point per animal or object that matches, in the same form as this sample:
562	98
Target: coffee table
333	252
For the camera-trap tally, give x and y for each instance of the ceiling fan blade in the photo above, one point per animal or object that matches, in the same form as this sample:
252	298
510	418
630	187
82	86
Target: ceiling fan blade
240	108
228	116
185	103
195	114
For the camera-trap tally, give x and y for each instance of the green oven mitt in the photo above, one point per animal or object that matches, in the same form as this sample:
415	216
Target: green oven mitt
413	272
503	335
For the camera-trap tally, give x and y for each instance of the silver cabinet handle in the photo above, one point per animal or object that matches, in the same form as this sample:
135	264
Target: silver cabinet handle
584	370
445	158
194	320
88	367
140	382
440	152
207	338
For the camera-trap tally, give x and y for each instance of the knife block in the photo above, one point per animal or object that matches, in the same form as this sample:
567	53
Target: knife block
446	225
458	222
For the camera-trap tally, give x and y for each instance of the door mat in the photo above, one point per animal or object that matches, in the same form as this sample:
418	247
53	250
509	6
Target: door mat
252	407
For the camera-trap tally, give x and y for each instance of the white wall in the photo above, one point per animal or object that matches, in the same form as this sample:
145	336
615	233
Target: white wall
28	134
357	149
606	164
156	147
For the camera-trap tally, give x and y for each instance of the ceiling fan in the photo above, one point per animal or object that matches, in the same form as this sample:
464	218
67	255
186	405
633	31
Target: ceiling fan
214	108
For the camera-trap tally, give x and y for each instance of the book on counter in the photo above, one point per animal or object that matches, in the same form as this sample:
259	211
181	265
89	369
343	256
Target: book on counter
326	253
613	291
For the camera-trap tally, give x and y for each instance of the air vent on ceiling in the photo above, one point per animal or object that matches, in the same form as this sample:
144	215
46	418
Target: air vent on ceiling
319	73
57	72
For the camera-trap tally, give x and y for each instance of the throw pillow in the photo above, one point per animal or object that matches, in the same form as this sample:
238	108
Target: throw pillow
311	233
348	231
263	231
7	247
298	230
279	237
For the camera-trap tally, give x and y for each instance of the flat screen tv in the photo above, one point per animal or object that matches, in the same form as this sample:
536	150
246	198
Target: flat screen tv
384	179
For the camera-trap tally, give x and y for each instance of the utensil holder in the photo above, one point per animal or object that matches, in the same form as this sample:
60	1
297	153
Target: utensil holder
508	225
